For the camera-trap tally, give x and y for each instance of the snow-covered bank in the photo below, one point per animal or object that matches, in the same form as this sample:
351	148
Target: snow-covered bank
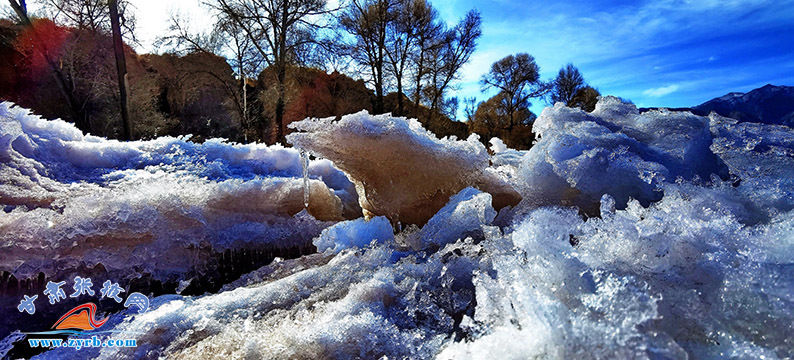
161	207
654	235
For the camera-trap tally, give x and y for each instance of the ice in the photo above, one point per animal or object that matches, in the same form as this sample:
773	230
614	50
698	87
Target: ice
336	180
761	157
354	234
669	281
163	207
358	305
305	165
465	215
497	145
661	235
645	283
401	170
580	156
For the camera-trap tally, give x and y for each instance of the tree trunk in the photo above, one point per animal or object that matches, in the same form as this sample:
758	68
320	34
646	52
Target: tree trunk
244	100
378	108
245	107
121	69
281	75
399	96
434	101
419	70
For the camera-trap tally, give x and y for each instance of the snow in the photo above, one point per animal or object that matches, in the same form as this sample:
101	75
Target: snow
464	215
654	235
761	157
497	145
616	150
670	269
354	234
125	205
663	281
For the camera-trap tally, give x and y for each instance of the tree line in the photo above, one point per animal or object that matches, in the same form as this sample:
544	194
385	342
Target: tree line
266	63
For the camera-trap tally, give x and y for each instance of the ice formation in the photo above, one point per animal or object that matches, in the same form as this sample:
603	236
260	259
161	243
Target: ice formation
616	150
161	207
655	235
497	145
401	170
354	234
464	216
668	281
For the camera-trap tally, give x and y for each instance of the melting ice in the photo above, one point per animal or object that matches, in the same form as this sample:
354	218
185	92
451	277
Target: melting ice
618	235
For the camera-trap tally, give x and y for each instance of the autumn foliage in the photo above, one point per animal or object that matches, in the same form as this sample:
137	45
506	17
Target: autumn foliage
40	44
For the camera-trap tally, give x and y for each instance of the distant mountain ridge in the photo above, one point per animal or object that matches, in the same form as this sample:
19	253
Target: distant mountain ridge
769	104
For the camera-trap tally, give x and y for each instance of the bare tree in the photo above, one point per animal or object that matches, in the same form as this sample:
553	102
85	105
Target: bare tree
226	39
469	108
409	27
278	30
449	55
568	82
369	21
517	77
428	30
121	68
181	39
20	8
245	61
395	39
64	86
93	15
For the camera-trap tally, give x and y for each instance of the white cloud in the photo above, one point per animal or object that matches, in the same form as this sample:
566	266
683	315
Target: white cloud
661	91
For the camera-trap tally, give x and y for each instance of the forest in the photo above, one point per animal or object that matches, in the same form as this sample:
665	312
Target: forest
266	64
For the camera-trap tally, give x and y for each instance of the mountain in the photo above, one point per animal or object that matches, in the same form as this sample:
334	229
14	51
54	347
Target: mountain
769	104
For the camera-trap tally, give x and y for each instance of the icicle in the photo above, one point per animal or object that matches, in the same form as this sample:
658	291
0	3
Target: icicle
305	163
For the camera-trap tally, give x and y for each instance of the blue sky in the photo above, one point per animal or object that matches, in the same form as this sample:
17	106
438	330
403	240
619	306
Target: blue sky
656	53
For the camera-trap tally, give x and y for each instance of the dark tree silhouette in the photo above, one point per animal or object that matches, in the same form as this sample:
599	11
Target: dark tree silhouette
279	30
445	60
517	77
429	29
121	68
568	82
412	22
92	15
369	21
585	98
